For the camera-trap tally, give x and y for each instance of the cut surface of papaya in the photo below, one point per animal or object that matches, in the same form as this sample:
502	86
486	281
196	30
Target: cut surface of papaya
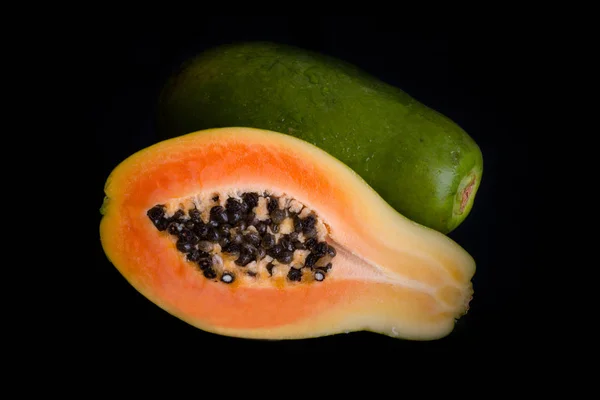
421	162
256	234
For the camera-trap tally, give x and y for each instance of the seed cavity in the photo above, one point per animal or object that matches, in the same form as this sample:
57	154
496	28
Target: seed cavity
262	237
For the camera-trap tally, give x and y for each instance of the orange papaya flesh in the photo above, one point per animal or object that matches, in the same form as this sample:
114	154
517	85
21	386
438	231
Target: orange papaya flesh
378	271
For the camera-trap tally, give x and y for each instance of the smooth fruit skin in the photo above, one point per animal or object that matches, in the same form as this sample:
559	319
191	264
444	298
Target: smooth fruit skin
422	163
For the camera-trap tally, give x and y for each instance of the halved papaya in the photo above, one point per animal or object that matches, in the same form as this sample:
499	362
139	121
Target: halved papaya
256	234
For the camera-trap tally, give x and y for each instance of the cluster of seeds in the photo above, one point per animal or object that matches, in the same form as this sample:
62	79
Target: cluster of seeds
263	232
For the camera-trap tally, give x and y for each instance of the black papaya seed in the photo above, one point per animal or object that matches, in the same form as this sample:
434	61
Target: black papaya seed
298	245
193	256
331	251
311	243
272	204
310	232
311	260
242	225
295	274
249	249
210	273
178	216
224	229
244	259
285	257
173	228
277	216
251	199
298	226
201	231
274	228
213	235
218	214
184	246
156	212
232	248
261	228
224	241
286	243
275	251
195	216
268	241
252	238
321	249
204	263
309	222
157	215
233	204
250	217
237	238
188	236
161	224
235	217
205	246
189	224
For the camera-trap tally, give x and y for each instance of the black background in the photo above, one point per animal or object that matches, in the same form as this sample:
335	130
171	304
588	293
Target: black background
481	80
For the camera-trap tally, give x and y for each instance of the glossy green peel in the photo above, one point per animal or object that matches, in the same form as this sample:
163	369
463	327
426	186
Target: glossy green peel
422	163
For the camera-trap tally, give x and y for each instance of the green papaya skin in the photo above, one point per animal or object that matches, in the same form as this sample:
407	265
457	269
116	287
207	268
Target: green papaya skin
422	163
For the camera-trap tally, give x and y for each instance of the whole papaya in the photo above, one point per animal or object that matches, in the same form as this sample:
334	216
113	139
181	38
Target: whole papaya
422	163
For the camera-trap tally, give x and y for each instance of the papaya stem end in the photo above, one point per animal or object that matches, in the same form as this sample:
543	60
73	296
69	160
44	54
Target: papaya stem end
465	194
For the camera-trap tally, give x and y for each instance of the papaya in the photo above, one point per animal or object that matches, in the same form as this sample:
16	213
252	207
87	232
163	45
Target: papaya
421	162
256	234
